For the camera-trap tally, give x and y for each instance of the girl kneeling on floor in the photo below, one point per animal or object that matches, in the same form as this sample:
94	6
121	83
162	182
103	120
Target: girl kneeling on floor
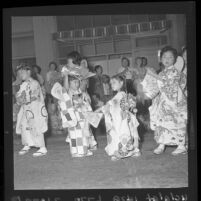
121	122
32	117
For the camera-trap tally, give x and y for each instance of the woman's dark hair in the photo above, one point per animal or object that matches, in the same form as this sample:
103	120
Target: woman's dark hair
75	56
120	78
54	63
137	59
38	67
169	49
97	67
145	60
28	67
125	58
71	78
106	76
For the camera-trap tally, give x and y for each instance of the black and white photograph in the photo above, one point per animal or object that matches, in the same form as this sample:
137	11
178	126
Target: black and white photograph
100	101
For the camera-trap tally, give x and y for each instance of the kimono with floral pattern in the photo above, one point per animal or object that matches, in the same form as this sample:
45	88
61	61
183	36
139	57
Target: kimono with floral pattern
168	112
32	117
121	126
16	107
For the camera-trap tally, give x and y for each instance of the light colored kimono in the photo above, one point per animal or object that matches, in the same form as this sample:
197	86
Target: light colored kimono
168	112
32	117
74	108
121	126
16	107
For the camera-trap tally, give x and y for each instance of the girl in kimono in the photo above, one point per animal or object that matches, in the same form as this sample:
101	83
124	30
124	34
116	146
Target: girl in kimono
184	70
15	87
121	122
74	105
168	112
32	117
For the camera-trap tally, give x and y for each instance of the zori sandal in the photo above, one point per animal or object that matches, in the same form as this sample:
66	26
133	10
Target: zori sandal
114	158
94	148
89	153
40	152
159	150
179	150
24	150
77	156
136	153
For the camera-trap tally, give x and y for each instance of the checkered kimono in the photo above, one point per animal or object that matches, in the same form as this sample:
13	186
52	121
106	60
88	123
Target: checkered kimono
73	117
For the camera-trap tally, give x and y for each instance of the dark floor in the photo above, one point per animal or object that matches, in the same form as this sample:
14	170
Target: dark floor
57	170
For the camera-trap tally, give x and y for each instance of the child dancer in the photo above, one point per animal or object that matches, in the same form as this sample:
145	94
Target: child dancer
121	122
15	87
184	70
32	117
168	112
184	85
74	106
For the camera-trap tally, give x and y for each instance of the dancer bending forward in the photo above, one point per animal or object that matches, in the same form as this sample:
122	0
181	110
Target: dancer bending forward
121	122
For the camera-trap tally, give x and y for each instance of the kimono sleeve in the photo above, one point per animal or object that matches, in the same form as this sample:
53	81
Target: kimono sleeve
106	108
132	103
21	94
35	91
87	97
183	81
40	79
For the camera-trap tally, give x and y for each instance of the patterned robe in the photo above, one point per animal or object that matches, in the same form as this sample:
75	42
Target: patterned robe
121	126
168	112
73	110
16	107
32	117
